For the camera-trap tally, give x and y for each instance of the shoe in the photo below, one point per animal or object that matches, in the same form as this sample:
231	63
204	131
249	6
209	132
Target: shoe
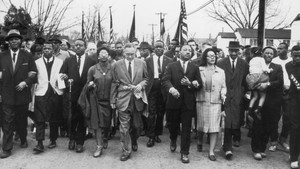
263	155
24	144
52	144
228	155
5	154
173	145
79	148
285	146
98	152
143	133
236	144
125	156
38	148
150	142
157	139
212	157
257	156
199	147
134	146
105	143
273	148
294	165
185	158
71	144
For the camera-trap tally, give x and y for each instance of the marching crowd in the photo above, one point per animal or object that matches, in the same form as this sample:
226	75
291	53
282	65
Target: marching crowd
104	87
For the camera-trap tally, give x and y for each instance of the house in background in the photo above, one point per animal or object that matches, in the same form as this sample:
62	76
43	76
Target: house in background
249	37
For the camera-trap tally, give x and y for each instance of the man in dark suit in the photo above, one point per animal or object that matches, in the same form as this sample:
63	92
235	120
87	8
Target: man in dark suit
75	69
171	52
128	95
156	65
181	80
267	127
236	70
18	72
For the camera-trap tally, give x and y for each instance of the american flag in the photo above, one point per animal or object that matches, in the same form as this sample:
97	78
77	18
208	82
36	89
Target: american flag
162	27
182	29
100	35
132	29
111	33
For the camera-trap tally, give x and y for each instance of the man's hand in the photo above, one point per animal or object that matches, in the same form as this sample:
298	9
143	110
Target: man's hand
195	83
91	84
113	106
63	76
174	92
185	81
21	86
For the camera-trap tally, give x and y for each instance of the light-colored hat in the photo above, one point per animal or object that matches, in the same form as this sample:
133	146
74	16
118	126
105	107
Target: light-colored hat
13	33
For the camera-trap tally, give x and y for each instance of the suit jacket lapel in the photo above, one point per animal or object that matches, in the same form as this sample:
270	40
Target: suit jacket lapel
151	66
180	67
188	67
123	66
164	64
19	61
237	67
136	66
74	60
9	62
228	65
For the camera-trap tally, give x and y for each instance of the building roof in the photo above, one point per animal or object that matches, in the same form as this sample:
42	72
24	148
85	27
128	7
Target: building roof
270	33
230	35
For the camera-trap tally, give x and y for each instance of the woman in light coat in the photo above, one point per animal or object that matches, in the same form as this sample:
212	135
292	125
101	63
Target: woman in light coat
209	100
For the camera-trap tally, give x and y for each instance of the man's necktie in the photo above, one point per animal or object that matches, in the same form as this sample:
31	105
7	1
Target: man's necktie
14	57
79	62
129	70
159	67
183	66
233	68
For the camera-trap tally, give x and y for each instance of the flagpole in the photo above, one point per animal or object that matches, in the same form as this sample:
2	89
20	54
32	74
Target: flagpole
152	25
160	24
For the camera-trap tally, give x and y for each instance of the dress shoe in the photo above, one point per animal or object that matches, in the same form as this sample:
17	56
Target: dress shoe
212	157
125	156
5	154
199	147
134	146
228	155
157	139
285	146
173	146
257	156
185	158
98	152
71	144
263	155
24	144
105	143
236	144
79	148
52	145
273	148
38	148
150	142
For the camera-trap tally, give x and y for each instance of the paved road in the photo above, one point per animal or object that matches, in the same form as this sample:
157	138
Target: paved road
158	157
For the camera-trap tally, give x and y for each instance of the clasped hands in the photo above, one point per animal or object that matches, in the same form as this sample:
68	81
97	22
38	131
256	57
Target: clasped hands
186	82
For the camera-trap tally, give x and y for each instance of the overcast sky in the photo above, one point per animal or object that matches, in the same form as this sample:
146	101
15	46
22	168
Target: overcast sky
199	23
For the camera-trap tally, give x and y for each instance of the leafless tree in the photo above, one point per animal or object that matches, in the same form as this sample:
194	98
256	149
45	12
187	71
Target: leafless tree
244	13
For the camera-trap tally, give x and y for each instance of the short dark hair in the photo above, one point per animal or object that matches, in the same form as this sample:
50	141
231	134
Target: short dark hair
103	48
82	41
186	45
191	40
285	44
204	56
119	42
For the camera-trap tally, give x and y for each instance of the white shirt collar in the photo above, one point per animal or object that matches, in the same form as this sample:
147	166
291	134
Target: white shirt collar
12	52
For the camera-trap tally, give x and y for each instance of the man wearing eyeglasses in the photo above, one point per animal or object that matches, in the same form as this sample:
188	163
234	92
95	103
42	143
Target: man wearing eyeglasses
56	42
128	96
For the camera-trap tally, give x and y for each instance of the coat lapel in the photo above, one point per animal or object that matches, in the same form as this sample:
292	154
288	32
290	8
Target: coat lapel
237	67
19	61
164	64
136	66
228	65
9	62
151	66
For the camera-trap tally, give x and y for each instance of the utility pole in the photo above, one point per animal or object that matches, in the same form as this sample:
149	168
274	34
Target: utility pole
261	24
161	15
152	25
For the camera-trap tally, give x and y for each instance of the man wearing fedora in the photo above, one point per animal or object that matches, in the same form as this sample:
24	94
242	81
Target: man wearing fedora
18	72
156	66
235	70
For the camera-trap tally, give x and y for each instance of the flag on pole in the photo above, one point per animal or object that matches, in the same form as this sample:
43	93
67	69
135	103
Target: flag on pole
111	33
100	35
297	18
182	29
168	42
162	27
132	29
83	35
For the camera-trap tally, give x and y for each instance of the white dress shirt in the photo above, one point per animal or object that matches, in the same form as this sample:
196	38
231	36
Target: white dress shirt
82	60
155	66
16	58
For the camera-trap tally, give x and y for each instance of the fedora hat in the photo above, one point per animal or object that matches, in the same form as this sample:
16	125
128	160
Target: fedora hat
234	45
55	39
13	33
